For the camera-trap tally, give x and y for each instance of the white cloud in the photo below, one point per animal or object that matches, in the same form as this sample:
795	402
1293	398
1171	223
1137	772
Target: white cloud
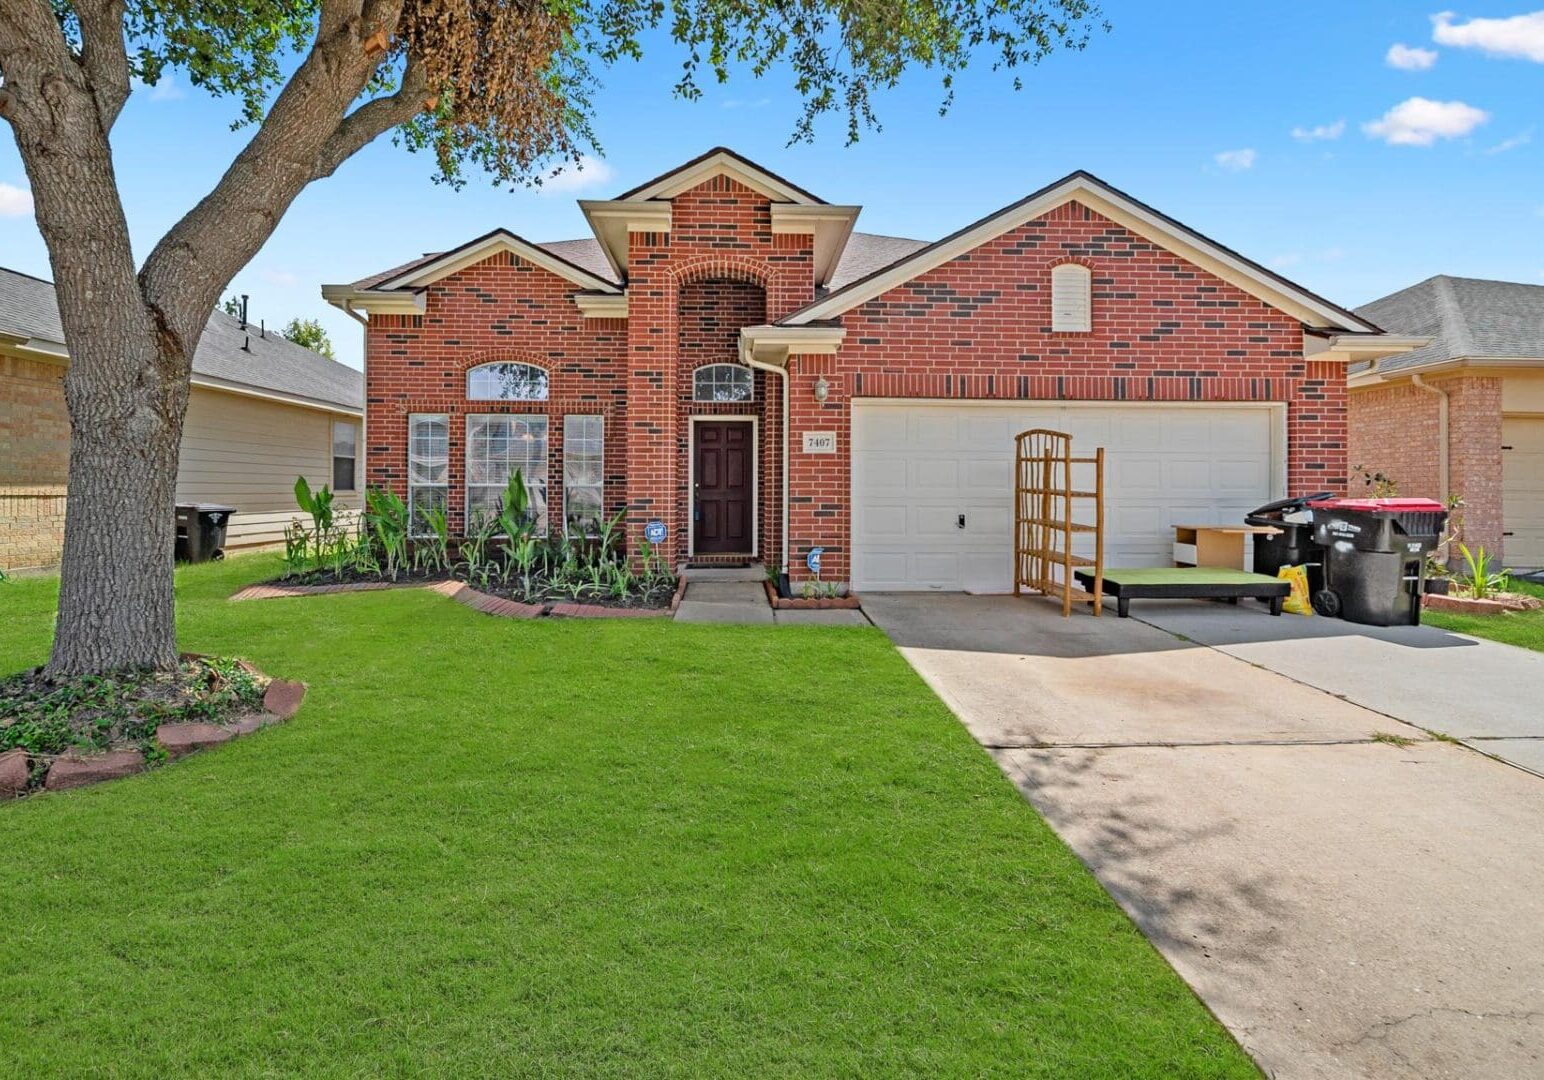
1236	160
1320	132
1520	36
1408	58
742	103
165	89
586	174
1522	138
15	201
1420	121
282	278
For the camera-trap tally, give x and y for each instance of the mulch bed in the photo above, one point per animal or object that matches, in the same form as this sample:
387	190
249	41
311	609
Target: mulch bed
489	602
850	602
60	735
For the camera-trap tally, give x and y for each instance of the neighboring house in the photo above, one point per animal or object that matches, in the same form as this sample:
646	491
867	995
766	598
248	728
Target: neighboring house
262	411
728	360
1464	414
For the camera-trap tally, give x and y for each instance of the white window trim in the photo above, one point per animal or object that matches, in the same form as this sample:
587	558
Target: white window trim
412	420
546	377
600	417
700	368
546	467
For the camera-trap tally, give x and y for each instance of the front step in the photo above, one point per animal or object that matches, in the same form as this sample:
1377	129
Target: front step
754	572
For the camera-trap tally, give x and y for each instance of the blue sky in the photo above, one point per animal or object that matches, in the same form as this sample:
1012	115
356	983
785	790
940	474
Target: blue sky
1297	134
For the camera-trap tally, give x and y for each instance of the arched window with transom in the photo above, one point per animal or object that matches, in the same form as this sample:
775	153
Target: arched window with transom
722	382
506	382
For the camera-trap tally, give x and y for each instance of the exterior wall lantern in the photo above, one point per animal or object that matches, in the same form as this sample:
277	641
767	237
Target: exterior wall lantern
822	389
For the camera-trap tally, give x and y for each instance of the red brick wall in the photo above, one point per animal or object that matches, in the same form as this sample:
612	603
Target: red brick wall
980	327
721	231
1394	430
502	308
709	315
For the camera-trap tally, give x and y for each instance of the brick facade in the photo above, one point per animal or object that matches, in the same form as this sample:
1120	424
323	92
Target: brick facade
34	462
1395	430
978	327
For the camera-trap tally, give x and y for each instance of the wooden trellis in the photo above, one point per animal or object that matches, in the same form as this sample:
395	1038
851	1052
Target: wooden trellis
1055	494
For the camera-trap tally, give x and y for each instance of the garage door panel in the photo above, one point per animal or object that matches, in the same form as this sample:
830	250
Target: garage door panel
1163	465
1522	490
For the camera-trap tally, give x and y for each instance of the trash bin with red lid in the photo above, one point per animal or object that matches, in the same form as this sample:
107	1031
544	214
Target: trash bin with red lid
1375	557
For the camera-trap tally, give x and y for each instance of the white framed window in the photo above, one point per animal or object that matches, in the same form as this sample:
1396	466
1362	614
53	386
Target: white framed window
495	447
345	454
584	452
722	382
506	382
428	467
1071	299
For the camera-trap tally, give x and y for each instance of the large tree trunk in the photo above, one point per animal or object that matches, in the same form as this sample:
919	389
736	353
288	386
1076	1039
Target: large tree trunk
115	595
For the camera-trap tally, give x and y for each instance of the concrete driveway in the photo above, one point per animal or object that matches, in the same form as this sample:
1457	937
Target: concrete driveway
1349	904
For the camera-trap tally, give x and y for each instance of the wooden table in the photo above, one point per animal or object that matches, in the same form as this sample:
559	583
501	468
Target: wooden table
1215	545
1186	583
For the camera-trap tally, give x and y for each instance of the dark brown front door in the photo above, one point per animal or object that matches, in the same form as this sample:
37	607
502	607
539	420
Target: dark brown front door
721	498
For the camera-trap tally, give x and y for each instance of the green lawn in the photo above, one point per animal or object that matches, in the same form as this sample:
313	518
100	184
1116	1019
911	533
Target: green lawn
1522	628
630	848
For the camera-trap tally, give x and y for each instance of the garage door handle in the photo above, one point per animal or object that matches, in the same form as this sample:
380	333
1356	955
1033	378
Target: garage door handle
961	521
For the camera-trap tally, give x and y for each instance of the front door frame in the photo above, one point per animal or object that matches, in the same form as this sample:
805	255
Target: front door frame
691	478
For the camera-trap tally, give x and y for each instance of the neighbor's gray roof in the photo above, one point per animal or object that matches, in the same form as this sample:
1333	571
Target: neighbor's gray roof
28	309
1466	318
865	253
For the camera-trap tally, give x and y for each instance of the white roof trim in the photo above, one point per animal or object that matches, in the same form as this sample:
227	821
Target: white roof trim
1110	203
225	386
601	305
495	242
721	162
831	226
398	302
773	344
611	220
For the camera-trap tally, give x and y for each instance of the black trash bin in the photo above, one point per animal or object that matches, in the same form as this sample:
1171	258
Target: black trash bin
1294	544
1375	557
201	530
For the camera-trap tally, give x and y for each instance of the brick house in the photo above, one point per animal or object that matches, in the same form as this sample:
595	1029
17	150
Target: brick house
1462	414
727	360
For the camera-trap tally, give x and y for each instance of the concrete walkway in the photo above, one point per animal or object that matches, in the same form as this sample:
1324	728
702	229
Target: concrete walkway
1347	902
738	596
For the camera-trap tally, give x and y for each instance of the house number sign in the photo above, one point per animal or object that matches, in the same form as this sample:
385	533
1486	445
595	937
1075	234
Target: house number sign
820	442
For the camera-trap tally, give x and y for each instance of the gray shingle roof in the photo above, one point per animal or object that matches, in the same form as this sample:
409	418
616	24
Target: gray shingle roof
1466	318
28	309
865	253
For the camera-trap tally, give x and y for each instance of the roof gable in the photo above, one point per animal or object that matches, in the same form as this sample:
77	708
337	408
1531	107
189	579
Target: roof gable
720	161
427	271
1088	190
1465	318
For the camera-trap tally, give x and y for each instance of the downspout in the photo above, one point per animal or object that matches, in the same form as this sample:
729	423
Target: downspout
762	365
1443	469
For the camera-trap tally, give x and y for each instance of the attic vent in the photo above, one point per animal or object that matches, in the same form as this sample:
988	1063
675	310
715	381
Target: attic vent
1071	285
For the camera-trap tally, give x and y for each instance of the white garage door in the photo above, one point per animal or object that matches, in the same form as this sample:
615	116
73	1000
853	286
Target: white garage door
919	470
1522	490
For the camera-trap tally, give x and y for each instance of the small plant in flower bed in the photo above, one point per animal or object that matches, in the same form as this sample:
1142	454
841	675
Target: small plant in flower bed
502	554
122	710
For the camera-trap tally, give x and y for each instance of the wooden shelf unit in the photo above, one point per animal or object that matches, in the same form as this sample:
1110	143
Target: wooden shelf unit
1045	520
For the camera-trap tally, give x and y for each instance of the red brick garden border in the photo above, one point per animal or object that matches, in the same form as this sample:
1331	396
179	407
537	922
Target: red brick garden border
850	602
281	700
463	593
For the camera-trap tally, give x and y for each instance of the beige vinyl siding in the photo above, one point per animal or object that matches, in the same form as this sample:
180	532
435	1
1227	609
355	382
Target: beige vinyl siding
246	452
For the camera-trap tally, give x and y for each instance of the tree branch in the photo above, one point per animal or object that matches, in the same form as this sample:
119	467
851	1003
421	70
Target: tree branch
374	118
183	276
104	56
